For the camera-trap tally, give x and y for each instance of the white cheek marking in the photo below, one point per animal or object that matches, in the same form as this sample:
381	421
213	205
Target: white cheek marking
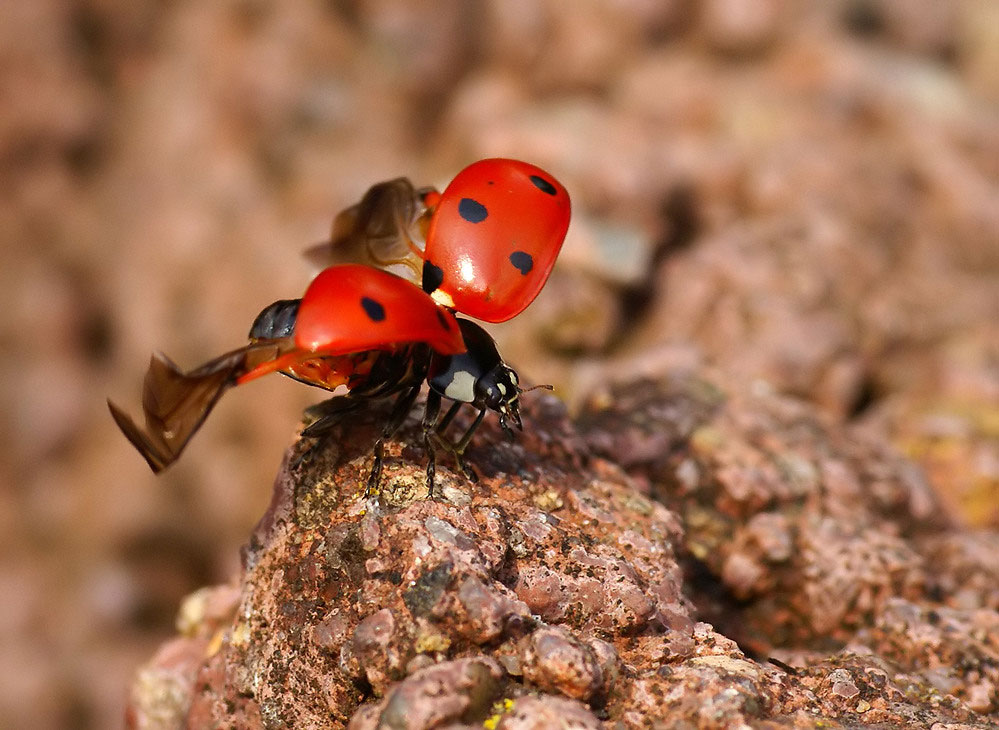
462	387
514	379
501	388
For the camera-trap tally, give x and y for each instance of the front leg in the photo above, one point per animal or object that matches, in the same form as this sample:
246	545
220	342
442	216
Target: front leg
327	414
403	405
457	449
431	413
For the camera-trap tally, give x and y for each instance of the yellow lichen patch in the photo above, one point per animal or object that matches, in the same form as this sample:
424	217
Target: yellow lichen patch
638	503
431	642
402	488
240	634
706	440
955	444
549	500
314	503
503	707
192	612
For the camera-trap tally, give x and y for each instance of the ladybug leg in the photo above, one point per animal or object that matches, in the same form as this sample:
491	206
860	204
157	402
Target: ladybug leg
457	449
467	438
327	415
430	415
506	427
449	416
400	410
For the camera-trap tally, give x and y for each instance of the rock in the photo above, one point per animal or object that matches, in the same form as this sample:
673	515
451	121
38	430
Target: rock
349	603
802	522
162	692
744	26
546	711
550	592
435	695
554	661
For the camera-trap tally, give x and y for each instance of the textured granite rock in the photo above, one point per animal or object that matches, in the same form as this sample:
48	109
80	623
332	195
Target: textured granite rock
561	591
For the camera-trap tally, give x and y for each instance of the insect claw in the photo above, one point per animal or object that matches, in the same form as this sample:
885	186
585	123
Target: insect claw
307	454
515	414
469	472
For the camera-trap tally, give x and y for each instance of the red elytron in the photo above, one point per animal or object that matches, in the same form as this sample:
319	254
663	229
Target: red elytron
494	237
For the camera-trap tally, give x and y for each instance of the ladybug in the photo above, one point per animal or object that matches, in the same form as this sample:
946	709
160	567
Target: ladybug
356	326
491	240
492	236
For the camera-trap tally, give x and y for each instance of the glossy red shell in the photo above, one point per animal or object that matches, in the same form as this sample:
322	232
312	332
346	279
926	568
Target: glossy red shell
352	308
494	238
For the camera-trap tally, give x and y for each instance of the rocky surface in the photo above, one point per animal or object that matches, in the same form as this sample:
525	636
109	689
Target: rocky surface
561	591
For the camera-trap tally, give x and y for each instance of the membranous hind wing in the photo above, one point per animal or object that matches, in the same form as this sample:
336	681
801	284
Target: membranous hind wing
386	230
175	403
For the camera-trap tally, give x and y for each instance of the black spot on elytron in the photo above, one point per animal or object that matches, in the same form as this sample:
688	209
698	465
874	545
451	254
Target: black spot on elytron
522	261
433	277
443	320
374	310
543	185
472	210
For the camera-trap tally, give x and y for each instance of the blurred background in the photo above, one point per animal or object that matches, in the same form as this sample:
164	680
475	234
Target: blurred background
804	195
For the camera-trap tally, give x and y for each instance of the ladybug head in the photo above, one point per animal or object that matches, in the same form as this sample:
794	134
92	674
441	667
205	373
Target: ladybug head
499	390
